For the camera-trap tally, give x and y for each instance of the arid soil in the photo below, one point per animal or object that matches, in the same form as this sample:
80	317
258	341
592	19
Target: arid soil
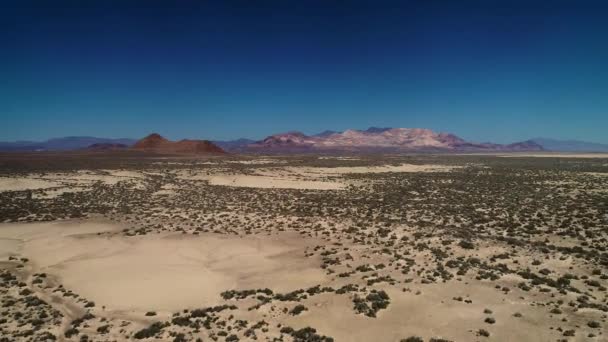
98	247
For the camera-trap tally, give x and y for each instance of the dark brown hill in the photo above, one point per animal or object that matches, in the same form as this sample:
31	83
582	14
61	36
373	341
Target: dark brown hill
156	143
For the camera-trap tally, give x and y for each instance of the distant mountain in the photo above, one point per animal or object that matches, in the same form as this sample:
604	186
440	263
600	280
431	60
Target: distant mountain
157	144
73	143
21	146
107	147
528	145
377	129
152	141
570	145
61	144
325	133
384	139
372	139
233	145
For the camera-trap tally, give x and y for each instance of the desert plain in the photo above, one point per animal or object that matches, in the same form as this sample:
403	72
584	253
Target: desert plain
126	246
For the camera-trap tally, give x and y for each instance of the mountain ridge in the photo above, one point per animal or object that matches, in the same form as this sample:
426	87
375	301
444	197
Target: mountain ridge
326	141
156	143
62	144
389	139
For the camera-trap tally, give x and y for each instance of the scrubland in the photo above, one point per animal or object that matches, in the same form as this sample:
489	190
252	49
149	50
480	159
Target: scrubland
303	248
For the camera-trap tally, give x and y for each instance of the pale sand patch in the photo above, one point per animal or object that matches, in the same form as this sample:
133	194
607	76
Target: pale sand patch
184	163
83	178
370	169
55	229
313	178
164	192
272	182
257	161
24	183
433	313
125	173
9	247
339	158
161	272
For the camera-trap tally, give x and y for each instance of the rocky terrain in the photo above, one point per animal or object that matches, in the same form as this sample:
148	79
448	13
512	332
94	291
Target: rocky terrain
303	248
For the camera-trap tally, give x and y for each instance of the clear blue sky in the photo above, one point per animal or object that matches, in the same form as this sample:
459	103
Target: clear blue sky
497	71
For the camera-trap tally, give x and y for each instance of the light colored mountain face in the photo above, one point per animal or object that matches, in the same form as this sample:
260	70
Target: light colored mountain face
406	138
393	138
289	139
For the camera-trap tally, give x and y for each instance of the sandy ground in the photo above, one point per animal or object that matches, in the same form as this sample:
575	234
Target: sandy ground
172	243
312	178
59	183
433	313
273	182
165	272
24	183
257	161
369	169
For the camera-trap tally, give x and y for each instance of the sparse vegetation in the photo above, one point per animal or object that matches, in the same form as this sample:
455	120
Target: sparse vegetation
524	230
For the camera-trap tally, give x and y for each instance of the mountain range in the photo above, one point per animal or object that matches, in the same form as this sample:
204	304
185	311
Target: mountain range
62	144
373	139
380	139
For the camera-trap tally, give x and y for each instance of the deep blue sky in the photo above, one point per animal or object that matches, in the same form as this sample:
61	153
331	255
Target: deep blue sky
497	71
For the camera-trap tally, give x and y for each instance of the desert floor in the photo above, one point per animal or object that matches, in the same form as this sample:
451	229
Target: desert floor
303	248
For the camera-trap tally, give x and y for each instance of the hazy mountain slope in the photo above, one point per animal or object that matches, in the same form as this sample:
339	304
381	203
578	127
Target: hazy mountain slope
570	145
62	144
233	145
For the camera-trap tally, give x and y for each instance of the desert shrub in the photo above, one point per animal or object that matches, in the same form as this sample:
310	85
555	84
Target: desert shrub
181	321
483	332
412	339
150	331
71	332
298	309
104	329
180	337
466	244
569	333
25	292
307	334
